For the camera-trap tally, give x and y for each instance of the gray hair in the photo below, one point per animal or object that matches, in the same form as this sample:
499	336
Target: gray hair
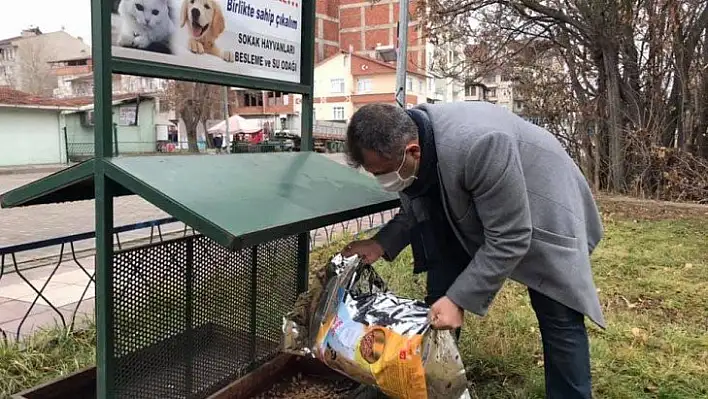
382	128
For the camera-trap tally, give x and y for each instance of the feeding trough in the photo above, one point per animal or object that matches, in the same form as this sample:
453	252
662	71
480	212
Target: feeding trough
200	316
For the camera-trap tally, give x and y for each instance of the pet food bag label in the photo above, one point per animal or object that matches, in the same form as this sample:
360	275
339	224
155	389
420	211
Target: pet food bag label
373	355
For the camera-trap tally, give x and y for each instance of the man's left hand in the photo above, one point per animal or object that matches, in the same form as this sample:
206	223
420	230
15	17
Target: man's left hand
446	315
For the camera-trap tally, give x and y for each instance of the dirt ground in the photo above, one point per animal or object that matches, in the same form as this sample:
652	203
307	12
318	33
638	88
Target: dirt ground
639	209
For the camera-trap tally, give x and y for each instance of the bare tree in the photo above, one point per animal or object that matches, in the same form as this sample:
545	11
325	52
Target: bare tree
630	69
194	103
32	72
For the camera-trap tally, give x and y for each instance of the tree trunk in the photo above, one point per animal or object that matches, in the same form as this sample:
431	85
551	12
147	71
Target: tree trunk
614	107
595	142
208	138
192	138
189	115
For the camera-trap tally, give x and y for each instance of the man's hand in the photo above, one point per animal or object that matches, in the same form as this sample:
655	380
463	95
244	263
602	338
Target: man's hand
368	250
446	315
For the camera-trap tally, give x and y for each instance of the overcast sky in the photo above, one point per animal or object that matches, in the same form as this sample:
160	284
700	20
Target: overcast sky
48	15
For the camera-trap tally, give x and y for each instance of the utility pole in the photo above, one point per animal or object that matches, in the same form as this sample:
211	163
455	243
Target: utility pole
227	136
402	54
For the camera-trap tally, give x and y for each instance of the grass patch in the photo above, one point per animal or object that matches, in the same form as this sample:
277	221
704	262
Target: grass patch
48	354
652	273
653	281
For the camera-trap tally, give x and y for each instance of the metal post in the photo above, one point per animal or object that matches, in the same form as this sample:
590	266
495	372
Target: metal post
227	135
188	320
402	54
307	75
115	139
105	189
66	144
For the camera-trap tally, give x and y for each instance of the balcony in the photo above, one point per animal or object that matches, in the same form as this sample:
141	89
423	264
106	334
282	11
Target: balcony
71	70
361	99
264	105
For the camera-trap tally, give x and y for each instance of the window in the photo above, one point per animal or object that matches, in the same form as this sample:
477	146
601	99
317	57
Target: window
470	91
409	84
337	85
363	85
492	92
7	54
253	99
338	113
431	85
421	87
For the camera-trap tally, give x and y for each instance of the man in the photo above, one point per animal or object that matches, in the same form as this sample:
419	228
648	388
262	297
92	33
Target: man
487	196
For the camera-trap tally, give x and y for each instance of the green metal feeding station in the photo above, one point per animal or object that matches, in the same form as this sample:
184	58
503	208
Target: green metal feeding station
185	317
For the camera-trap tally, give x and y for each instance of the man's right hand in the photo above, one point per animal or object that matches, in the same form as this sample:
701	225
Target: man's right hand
368	250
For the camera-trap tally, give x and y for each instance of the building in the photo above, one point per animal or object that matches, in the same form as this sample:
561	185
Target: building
369	29
500	84
276	112
497	88
31	129
344	82
37	130
135	121
75	79
25	60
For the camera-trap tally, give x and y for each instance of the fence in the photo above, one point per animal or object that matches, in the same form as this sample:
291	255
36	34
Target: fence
77	151
82	151
56	290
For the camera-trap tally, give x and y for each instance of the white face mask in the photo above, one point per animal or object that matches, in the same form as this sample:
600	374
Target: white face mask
393	181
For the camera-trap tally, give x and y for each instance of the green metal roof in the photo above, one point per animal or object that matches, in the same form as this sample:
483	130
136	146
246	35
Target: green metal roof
237	200
71	184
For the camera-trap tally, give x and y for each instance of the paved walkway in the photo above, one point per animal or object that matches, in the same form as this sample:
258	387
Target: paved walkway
68	287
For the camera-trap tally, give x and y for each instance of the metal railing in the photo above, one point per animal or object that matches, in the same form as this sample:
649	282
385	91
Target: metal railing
45	285
78	151
83	151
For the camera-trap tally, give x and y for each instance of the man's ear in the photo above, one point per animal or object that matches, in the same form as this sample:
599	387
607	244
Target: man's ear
414	150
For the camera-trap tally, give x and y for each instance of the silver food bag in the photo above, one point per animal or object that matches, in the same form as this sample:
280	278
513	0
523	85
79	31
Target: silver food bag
352	323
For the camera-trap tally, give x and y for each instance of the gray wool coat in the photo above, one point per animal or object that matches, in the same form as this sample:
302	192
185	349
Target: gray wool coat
518	204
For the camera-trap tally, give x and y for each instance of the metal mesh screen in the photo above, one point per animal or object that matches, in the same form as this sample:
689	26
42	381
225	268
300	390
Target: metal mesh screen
191	316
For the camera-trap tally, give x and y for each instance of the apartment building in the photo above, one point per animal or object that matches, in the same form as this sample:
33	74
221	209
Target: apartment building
75	79
368	30
274	111
25	60
346	81
497	88
500	85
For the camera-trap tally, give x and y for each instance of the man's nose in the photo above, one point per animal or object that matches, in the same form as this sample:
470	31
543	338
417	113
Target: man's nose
195	14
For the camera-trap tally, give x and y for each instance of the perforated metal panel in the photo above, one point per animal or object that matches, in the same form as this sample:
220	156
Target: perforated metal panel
191	316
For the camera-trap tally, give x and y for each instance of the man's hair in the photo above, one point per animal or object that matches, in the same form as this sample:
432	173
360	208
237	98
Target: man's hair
382	128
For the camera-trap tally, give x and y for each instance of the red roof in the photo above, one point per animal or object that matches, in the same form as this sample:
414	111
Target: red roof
10	96
386	65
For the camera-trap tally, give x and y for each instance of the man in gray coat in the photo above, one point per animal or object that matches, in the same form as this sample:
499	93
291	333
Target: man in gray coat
487	196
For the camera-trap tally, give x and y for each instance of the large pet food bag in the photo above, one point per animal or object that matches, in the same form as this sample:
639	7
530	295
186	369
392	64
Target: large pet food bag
354	325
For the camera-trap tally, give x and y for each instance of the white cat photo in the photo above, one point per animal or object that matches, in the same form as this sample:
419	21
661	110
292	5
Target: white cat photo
145	22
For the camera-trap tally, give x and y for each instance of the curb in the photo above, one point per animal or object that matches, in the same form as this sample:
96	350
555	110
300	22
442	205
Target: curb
23	170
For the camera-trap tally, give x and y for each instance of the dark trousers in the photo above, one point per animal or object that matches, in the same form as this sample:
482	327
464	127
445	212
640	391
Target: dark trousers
566	351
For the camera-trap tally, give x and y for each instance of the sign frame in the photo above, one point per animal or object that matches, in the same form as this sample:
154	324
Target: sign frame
105	189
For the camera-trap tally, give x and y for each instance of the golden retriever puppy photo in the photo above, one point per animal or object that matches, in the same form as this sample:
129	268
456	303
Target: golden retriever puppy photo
206	23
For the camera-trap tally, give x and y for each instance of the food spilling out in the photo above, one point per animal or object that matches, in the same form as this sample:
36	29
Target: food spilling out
352	323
